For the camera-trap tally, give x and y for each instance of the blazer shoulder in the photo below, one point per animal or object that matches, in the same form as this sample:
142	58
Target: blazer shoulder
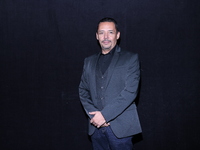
90	60
91	57
129	54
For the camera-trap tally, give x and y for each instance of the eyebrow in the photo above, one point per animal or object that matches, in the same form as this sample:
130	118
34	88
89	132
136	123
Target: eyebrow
104	30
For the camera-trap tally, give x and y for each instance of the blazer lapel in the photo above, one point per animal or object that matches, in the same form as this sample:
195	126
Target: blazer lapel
93	71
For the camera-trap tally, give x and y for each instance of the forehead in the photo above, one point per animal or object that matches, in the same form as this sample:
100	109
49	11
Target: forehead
106	26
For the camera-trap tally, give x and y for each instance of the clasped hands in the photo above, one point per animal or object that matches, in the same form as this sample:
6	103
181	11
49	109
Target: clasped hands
98	120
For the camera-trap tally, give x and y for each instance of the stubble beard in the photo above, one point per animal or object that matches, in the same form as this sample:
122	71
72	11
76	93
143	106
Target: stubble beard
105	48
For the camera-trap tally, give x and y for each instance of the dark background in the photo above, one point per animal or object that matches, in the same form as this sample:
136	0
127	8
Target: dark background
42	47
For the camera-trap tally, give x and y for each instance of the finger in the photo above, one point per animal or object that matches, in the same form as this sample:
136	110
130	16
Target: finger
105	124
98	126
92	113
94	124
91	121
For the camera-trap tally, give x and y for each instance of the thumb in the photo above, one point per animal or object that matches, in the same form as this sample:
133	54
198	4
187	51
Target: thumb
92	113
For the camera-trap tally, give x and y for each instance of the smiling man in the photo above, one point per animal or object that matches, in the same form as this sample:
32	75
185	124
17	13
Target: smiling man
107	35
108	88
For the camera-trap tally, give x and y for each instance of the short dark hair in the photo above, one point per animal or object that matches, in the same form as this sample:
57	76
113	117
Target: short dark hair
107	19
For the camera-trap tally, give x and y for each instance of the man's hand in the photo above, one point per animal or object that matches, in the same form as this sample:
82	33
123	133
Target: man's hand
98	120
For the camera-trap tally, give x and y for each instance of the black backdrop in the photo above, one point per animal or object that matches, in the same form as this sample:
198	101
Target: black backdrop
42	47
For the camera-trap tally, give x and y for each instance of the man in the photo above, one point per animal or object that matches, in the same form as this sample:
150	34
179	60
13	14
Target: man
108	87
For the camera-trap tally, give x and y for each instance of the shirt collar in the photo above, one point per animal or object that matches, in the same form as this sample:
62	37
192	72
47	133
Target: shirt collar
111	52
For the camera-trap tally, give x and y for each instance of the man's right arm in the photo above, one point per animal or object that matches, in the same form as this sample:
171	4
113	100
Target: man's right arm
84	92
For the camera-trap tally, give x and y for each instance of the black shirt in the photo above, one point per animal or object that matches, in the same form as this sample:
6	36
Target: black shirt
105	59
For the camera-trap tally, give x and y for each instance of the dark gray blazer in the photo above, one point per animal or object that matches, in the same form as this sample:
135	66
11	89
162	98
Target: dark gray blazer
121	90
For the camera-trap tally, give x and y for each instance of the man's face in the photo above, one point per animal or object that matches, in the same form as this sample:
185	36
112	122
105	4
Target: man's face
107	36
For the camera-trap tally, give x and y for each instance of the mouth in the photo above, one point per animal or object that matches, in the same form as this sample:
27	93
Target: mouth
106	41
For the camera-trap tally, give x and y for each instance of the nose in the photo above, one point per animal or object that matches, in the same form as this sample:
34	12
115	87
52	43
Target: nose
105	35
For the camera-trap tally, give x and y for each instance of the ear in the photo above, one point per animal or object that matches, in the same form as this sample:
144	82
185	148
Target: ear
97	36
118	35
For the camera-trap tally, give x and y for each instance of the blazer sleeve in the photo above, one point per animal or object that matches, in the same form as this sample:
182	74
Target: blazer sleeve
127	96
84	92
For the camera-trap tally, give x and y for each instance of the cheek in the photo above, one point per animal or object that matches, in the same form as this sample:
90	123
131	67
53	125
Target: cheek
114	40
101	38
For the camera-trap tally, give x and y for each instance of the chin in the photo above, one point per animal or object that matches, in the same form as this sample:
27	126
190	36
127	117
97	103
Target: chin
106	48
